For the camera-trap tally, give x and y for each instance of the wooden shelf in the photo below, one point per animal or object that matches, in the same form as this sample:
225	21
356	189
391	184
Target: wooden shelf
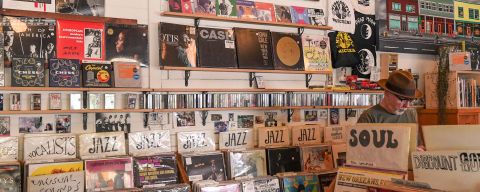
261	108
235	90
63	16
121	89
76	111
242	70
216	18
74	89
359	91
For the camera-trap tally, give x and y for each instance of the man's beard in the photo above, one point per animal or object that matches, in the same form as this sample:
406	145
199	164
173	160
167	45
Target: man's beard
400	111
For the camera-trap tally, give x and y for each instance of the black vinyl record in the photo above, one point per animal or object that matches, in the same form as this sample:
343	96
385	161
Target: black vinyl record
283	160
253	48
127	43
177	45
216	48
287	49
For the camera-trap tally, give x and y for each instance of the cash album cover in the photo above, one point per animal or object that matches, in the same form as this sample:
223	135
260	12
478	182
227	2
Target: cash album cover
28	72
287	49
97	75
177	45
64	73
127	43
208	166
155	170
215	42
282	160
253	48
108	174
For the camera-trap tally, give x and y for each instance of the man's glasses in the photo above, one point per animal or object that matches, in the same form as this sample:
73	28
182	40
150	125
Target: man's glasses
403	99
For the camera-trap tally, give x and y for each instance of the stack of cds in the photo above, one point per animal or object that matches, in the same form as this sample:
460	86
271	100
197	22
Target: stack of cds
308	99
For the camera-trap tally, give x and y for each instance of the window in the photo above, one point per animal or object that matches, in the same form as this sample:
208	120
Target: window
441	7
396	6
460	12
428	5
410	8
434	6
412	24
450	8
422	4
473	14
394	22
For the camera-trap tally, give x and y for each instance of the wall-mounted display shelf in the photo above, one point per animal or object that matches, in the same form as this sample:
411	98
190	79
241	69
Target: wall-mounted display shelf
75	111
74	89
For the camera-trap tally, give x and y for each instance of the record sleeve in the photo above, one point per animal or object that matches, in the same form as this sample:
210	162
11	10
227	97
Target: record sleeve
149	142
253	48
39	169
307	182
316	53
316	158
94	101
246	9
261	184
204	7
265	11
128	43
9	149
283	14
214	42
352	179
64	73
287	50
45	6
97	75
109	174
339	151
95	145
80	40
155	170
247	164
35	101
177	45
226	8
237	139
170	188
317	16
300	15
209	166
325	179
195	141
81	7
49	147
63	123
180	6
28	72
74	181
15	102
2	98
307	135
274	136
37	39
4	126
11	172
282	160
127	74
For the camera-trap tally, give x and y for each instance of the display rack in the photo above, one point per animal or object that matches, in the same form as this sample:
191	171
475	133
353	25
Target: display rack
75	89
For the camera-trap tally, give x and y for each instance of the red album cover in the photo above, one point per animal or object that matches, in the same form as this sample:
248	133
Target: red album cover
80	40
265	11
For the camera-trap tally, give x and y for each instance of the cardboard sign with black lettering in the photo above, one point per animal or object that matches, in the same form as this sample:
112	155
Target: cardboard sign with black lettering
195	141
307	135
356	180
149	142
8	148
50	147
71	181
237	139
381	146
335	134
274	136
97	145
452	170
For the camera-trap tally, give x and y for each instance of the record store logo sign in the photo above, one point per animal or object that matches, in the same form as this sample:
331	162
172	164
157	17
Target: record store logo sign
50	147
102	144
274	137
306	134
8	148
149	142
195	141
242	139
342	12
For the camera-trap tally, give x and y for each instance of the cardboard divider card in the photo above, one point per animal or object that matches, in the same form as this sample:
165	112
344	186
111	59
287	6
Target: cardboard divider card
307	135
335	134
72	181
237	139
8	148
378	146
94	145
50	147
149	142
195	141
274	137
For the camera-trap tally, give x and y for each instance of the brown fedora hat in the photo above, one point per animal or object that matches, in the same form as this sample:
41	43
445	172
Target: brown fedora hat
401	83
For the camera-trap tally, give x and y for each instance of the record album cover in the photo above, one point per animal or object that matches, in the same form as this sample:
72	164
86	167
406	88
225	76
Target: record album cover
80	40
246	9
30	124
253	49
109	122
127	43
214	42
316	53
94	100
265	11
300	15
15	102
180	6
2	98
226	8
63	123
204	7
37	39
35	101
11	173
208	166
28	72
177	45
39	6
283	160
314	158
64	73
317	17
155	170
247	164
4	126
97	75
127	74
109	174
283	14
287	49
301	183
39	169
267	183
81	7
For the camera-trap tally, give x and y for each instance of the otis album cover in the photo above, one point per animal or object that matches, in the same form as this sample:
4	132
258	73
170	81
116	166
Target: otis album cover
11	177
28	72
287	49
154	170
29	37
127	43
208	166
282	160
213	43
64	73
253	48
177	45
81	7
97	75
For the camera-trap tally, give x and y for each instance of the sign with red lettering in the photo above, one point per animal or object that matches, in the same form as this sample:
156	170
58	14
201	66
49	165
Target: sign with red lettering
80	40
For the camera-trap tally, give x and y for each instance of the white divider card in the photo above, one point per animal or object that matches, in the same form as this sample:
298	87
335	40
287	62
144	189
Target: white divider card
381	146
453	170
149	142
307	135
451	137
70	181
355	180
335	134
95	145
8	148
237	139
49	147
195	141
273	136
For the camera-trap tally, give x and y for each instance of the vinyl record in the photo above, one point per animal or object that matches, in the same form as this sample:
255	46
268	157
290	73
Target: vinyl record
288	51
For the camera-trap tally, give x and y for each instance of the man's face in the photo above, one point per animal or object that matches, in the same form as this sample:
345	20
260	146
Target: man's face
120	43
399	105
50	46
9	38
32	48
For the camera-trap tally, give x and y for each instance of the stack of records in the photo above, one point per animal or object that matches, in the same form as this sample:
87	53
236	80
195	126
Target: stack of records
206	166
260	184
213	186
155	170
11	172
170	188
282	160
293	182
316	158
108	174
246	164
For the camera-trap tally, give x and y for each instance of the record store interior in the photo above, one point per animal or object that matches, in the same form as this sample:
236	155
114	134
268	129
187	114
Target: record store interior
240	95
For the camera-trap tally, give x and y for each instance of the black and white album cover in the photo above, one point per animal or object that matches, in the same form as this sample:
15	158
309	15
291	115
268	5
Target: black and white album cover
271	119
4	126
177	45
92	43
64	73
11	177
29	37
63	123
250	163
282	160
245	121
111	122
214	42
127	43
205	167
28	72
81	7
185	119
30	124
334	116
